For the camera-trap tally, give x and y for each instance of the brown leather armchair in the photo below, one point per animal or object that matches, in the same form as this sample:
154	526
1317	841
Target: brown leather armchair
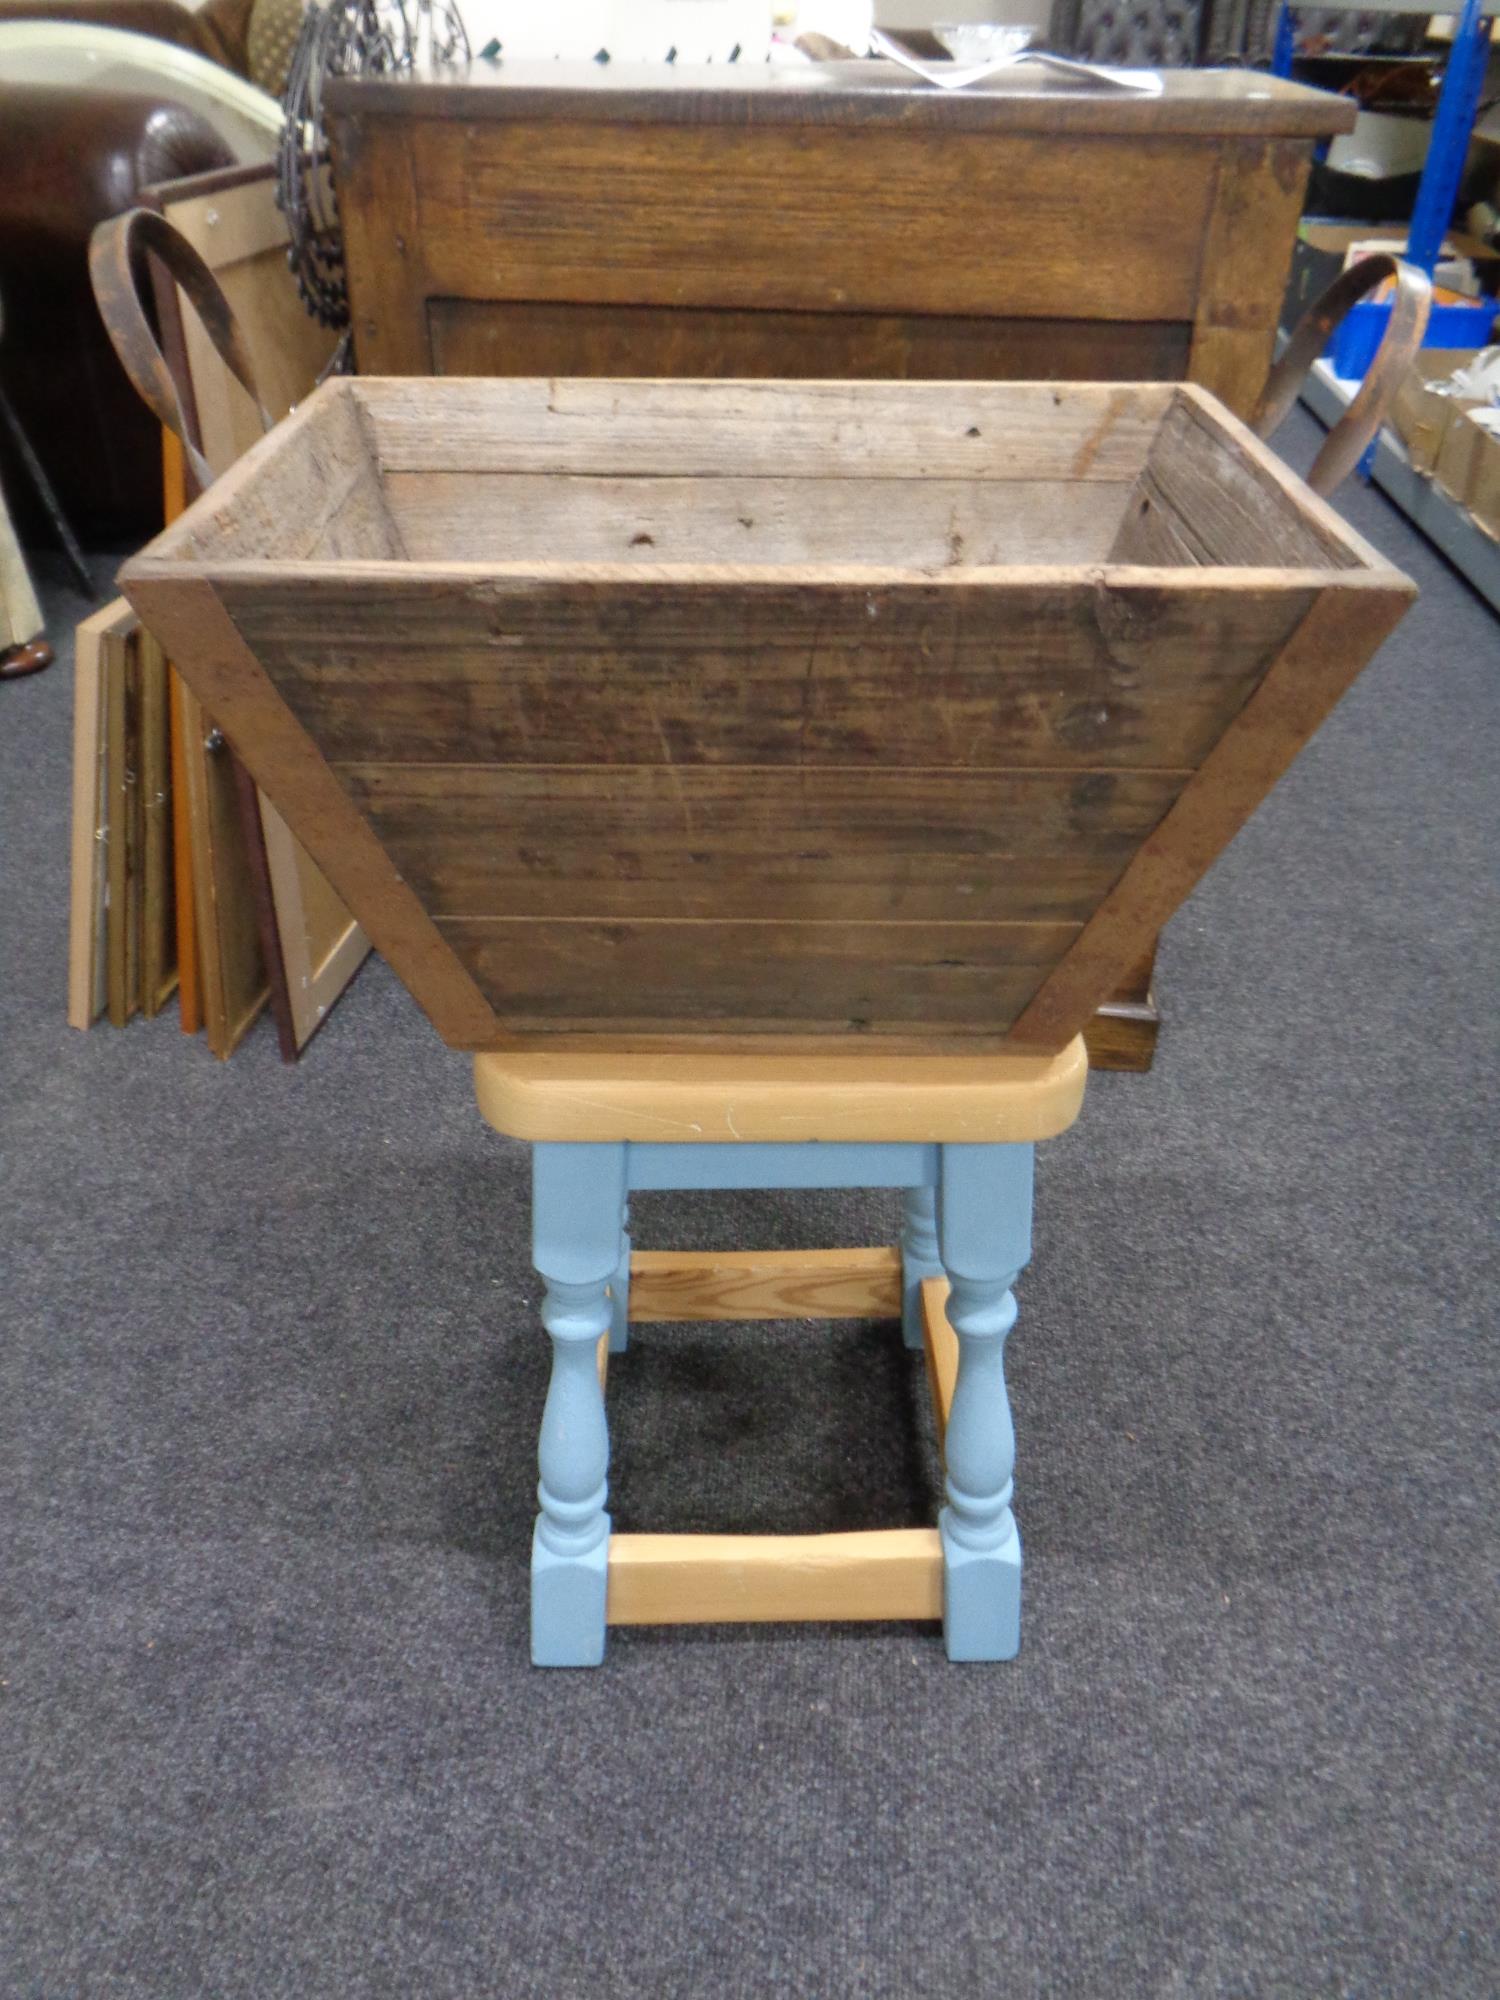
217	30
74	157
75	154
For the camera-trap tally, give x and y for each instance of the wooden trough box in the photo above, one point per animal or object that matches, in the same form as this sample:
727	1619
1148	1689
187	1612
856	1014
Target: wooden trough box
759	709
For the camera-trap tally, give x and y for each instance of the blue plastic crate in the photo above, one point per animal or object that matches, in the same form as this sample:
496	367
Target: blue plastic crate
1355	341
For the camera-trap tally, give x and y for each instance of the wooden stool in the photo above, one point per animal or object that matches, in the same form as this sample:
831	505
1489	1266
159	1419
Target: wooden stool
957	1133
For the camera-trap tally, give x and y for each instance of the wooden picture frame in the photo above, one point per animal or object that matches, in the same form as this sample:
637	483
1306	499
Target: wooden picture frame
88	981
124	846
231	961
189	980
158	948
312	947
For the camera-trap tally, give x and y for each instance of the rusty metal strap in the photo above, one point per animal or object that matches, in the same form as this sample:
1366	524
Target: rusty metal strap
114	252
1345	444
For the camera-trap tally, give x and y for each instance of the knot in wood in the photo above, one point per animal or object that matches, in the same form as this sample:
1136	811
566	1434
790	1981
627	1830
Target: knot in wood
1127	621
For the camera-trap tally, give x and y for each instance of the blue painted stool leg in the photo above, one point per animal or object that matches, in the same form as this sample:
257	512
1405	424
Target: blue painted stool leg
919	1257
619	1291
578	1195
984	1231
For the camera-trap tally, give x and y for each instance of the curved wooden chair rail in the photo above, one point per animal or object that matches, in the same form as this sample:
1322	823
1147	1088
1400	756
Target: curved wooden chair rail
114	269
1345	444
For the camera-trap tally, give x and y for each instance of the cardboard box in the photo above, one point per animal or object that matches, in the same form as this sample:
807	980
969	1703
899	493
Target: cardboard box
1484	496
1419	415
1471	453
1464	458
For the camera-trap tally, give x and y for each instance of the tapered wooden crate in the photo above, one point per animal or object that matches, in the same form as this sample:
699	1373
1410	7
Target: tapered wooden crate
903	711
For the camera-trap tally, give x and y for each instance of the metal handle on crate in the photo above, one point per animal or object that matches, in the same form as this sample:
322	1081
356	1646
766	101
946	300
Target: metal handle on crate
113	269
1345	444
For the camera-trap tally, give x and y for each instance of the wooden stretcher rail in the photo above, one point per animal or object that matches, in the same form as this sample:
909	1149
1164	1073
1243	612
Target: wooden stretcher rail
940	1346
761	1579
765	1284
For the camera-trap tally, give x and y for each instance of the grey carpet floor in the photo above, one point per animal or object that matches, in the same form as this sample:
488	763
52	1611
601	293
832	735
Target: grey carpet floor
269	1387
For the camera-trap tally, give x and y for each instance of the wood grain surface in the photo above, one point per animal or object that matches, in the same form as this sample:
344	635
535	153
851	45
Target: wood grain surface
923	524
714	216
681	841
712	1091
855	94
188	617
940	1351
310	489
590	220
1339	635
311	945
1196	503
1259	184
780	797
565	338
765	1284
233	966
568	220
744	430
158	885
663	976
709	1579
1062	670
126	841
189	971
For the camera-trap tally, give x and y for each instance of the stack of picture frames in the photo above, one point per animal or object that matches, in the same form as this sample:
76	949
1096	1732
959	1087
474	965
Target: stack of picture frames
123	945
184	877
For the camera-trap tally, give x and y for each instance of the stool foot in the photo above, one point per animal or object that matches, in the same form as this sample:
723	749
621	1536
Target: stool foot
981	1598
919	1258
568	1596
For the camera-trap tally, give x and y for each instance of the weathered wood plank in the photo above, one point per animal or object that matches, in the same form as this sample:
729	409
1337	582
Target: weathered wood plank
804	845
928	524
1200	501
765	429
190	621
560	338
1107	671
1259	183
670	1285
569	211
1282	489
459	288
752	1579
814	978
310	489
1322	658
634	799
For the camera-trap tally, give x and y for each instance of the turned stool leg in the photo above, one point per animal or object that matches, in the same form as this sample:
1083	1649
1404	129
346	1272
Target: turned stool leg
919	1257
578	1196
984	1229
619	1291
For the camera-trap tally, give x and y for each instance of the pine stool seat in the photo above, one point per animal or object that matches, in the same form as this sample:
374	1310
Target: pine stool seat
956	1134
